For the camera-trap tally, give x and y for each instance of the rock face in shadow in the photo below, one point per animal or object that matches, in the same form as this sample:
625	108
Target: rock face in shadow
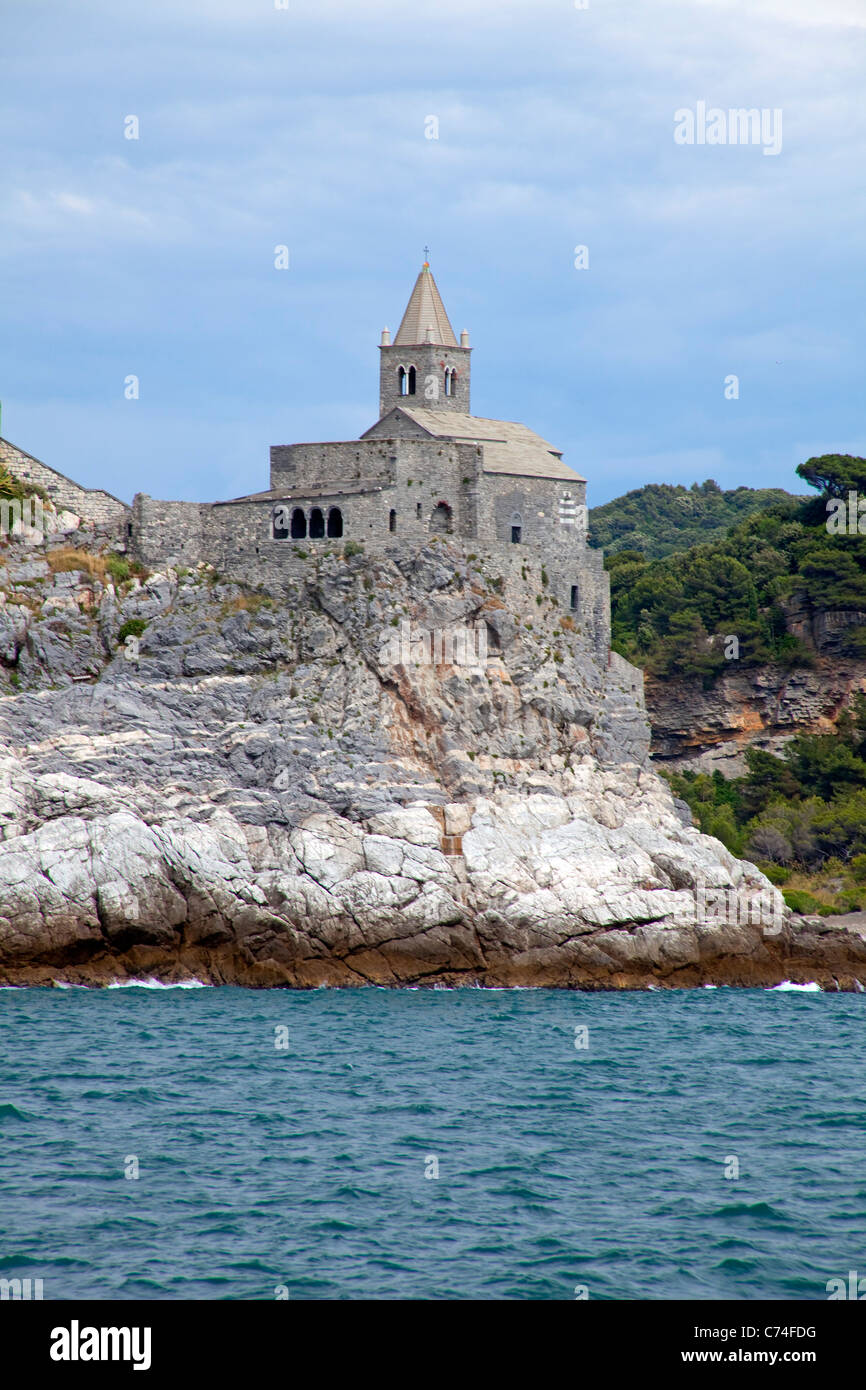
291	789
761	707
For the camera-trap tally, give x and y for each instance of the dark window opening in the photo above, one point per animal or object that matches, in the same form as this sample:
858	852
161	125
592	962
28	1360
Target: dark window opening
516	532
392	520
411	390
335	522
575	597
494	644
129	528
448	381
317	524
299	525
418	510
402	381
440	519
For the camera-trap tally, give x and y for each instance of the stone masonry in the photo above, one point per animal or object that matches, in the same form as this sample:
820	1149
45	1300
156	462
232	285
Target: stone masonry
90	503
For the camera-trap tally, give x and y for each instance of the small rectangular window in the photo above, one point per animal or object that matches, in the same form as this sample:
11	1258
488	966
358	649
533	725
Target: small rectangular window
575	597
516	532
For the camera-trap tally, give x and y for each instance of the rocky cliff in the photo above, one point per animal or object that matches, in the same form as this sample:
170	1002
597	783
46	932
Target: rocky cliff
312	787
764	706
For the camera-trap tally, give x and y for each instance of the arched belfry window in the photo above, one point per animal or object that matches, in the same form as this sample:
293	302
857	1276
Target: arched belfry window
335	522
299	525
402	381
449	382
411	391
317	524
516	528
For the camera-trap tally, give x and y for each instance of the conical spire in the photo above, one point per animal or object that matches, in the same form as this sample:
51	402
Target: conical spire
425	319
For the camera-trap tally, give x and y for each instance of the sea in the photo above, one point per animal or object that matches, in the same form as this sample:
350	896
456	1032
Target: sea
221	1143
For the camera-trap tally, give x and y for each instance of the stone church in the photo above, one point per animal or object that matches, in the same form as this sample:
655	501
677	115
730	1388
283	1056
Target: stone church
427	466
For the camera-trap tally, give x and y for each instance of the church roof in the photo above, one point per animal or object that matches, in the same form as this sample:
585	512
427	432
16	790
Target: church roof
425	310
509	447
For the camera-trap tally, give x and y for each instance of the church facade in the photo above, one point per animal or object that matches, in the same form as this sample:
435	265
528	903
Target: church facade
427	467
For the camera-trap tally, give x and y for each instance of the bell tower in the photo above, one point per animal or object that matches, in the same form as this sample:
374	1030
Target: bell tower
425	366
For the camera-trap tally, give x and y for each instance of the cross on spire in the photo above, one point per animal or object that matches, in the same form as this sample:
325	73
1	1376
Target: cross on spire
426	255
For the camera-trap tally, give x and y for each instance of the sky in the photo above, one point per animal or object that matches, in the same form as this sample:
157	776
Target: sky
712	327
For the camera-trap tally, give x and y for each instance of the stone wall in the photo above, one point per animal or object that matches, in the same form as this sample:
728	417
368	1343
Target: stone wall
555	535
296	466
91	503
166	533
431	361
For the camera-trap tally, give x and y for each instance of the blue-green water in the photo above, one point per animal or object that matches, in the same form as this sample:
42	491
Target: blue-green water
305	1167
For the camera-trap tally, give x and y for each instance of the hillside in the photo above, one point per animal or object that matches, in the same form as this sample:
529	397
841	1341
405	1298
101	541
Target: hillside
755	651
777	587
661	519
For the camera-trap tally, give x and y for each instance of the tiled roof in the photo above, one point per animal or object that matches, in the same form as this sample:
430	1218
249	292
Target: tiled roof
509	447
425	310
307	490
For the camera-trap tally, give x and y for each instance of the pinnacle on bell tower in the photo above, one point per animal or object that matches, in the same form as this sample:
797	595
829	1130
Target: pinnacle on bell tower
424	367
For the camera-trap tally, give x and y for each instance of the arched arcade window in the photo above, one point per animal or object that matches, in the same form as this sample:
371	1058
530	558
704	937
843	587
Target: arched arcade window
299	525
317	524
335	522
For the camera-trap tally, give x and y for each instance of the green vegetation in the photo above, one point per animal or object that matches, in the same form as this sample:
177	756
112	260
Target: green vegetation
117	566
800	817
10	487
673	615
133	627
661	519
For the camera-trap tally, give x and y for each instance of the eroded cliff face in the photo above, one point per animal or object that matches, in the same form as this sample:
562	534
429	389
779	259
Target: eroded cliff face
760	706
289	788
